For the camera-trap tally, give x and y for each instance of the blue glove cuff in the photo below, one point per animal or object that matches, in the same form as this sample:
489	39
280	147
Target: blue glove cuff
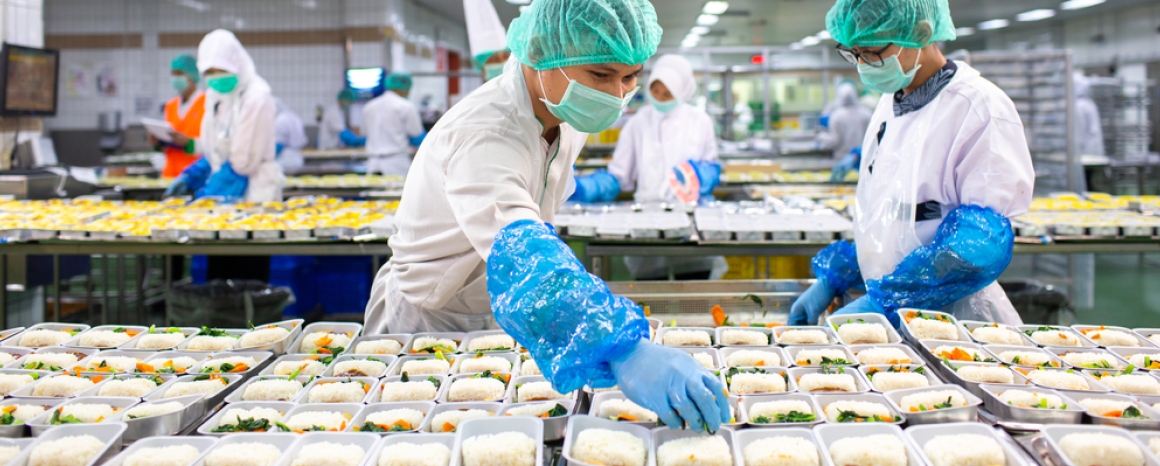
837	264
349	139
417	140
597	187
708	174
196	175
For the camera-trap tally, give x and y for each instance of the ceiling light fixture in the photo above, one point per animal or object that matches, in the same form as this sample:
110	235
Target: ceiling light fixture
993	24
810	41
690	41
796	46
715	7
707	20
1035	15
699	30
963	32
824	35
1077	4
519	2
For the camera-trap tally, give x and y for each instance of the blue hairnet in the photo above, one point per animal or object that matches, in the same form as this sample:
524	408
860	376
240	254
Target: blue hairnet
400	80
911	24
347	94
186	64
558	33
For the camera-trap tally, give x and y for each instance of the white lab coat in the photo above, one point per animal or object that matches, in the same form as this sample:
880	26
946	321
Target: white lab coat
333	123
291	134
239	127
967	146
389	121
1089	132
848	122
482	167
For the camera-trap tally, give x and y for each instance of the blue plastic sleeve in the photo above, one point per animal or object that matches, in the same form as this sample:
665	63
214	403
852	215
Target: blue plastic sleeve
196	174
415	141
857	153
970	250
567	318
225	183
349	139
278	148
597	187
824	121
838	265
709	174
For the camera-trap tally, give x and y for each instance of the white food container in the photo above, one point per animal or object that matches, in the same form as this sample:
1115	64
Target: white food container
768	332
365	441
743	438
1055	433
971	325
207	427
661	332
920	435
425	407
281	441
109	433
457	337
909	334
968	413
827	434
512	358
492	407
661	435
579	424
353	330
830	335
203	444
602	397
404	339
722	356
747	403
836	322
824	401
40	424
793	351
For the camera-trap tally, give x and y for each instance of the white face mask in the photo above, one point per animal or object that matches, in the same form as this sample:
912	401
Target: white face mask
586	109
888	78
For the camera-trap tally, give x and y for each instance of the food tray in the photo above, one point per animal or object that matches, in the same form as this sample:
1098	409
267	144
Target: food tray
403	339
210	400
21	430
1083	341
198	357
662	435
235	396
8	332
82	355
995	350
28	390
1055	433
714	355
422	406
909	334
722	355
768	332
494	425
825	400
1141	341
793	351
1152	423
193	408
971	325
835	322
74	342
348	409
926	349
747	403
927	372
236	333
457	337
446	392
96	390
827	434
915	358
365	441
473	335
920	435
492	407
1094	385
282	346
786	373
262	357
40	424
208	426
1147	333
447	440
14	340
1126	353
369	382
203	444
600	398
17	355
132	344
333	327
376	392
743	438
796	373
397	367
512	358
554	427
1060	351
833	337
281	441
91	360
1072	415
513	388
579	424
661	332
387	359
952	376
269	369
968	413
109	433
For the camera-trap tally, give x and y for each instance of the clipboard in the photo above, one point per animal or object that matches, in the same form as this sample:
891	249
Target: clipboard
160	129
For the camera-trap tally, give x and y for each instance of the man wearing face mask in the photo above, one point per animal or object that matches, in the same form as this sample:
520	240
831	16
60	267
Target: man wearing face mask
333	132
945	164
488	39
184	113
475	247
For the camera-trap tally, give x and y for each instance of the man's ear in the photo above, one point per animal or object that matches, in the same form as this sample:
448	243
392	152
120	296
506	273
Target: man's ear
923	31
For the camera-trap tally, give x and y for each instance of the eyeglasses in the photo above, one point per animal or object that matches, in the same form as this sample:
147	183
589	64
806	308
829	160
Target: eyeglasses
872	58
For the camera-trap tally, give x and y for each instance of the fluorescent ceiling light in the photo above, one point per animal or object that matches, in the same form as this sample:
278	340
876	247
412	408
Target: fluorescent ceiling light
699	30
1035	15
687	43
1077	4
796	46
194	5
963	32
707	20
715	7
993	24
810	40
824	35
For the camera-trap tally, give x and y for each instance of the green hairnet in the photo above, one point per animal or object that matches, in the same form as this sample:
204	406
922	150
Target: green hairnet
400	80
911	24
347	94
186	64
483	57
558	33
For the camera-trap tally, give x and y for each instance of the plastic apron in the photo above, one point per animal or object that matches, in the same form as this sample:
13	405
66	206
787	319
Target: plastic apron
266	184
390	312
884	216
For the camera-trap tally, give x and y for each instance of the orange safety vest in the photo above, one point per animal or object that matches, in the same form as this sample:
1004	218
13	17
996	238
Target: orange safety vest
176	160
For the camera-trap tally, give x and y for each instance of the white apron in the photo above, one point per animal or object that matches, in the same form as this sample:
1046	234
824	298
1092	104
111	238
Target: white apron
884	217
395	164
390	312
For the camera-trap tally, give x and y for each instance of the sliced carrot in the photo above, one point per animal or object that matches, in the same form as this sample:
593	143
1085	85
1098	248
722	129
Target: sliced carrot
168	364
342	427
960	355
760	363
323	351
745	324
324	340
774	324
98	379
718	315
241	367
1114	414
8	409
99	419
145	367
506	377
913	409
131	333
401	423
1097	336
911	315
625	417
314	357
447	427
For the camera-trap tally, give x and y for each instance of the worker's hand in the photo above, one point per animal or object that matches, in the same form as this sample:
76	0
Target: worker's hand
843	168
179	140
178	188
810	305
669	382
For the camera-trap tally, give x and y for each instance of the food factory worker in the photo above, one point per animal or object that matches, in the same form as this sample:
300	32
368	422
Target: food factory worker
847	128
289	138
392	126
474	226
487	37
945	164
663	135
184	113
332	130
237	133
1089	132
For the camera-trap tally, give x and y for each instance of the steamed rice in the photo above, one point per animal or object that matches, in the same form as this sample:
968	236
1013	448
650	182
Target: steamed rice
243	454
695	451
61	360
827	383
74	450
381	346
135	387
62	386
9	453
886	381
1055	338
160	341
178	364
751	384
337	392
871	450
1145	360
1058	379
272	390
883	355
303	367
682	337
538	391
946	351
997	335
360	368
781	451
924	329
200	387
803	337
1092	360
529	367
24	413
491	343
448	421
1030	399
612	447
88	413
1107	337
410	454
118	363
535	410
470	389
856	333
421	390
704	359
615	408
262	337
430	366
173	455
208	343
1154	445
11	382
1135	384
744	338
986	374
1104	407
329	454
215	365
43	337
948	450
1026	358
752	358
486	363
815	357
103	338
231	416
315	340
6	358
503	449
1099	449
413	417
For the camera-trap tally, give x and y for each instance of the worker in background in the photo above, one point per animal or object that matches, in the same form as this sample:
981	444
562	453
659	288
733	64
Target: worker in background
333	132
1089	131
944	166
475	247
393	127
289	138
487	37
847	128
664	134
184	113
237	132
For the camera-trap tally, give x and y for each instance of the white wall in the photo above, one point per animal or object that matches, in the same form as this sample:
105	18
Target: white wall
304	76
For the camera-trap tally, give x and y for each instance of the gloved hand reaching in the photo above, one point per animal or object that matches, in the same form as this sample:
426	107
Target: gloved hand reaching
867	305
810	305
179	187
349	139
669	382
597	187
693	180
850	163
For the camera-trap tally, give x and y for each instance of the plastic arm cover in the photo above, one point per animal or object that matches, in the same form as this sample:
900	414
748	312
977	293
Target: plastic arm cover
709	174
567	318
196	174
597	187
415	141
971	249
838	264
351	140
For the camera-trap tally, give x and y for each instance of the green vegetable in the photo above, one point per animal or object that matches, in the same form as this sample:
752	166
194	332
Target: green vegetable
245	425
1042	328
8	419
752	297
34	376
295	373
439	355
837	362
1015	360
851	416
1130	369
222	368
405	378
213	332
1043	403
762	420
945	405
1133	413
372	427
433	381
557	411
489	375
737	370
57	419
119	330
283	427
40	365
795	416
826	369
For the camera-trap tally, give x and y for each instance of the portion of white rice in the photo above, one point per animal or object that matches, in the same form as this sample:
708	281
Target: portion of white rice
1092	360
803	337
360	368
603	446
1135	384
1139	361
315	340
208	343
304	367
1099	449
926	401
61	360
453	418
1026	358
750	384
529	367
986	374
884	381
381	346
781	451
336	392
410	454
770	409
43	337
681	337
9	453
744	338
152	409
1107	337
11	382
216	364
1058	379
160	341
6	358
88	412
1104	407
871	450
329	454
700	451
827	383
924	329
1025	398
997	335
752	358
856	333
272	390
861	408
946	351
118	363
704	359
231	416
1154	445
503	449
413	417
329	420
431	366
1055	338
173	455
491	343
883	355
964	450
74	450
424	343
615	407
200	387
25	412
535	410
421	390
135	387
103	338
243	454
262	337
471	389
62	386
179	364
538	391
813	357
485	363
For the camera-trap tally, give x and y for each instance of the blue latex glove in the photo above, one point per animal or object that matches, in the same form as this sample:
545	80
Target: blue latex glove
177	188
349	139
809	306
824	121
196	175
278	149
597	187
971	248
850	163
669	382
865	305
225	183
417	140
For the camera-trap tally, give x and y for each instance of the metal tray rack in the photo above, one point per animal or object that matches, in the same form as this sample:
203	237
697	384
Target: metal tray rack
689	303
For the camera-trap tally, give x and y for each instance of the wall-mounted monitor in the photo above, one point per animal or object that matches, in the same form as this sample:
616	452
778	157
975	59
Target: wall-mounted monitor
367	82
29	81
